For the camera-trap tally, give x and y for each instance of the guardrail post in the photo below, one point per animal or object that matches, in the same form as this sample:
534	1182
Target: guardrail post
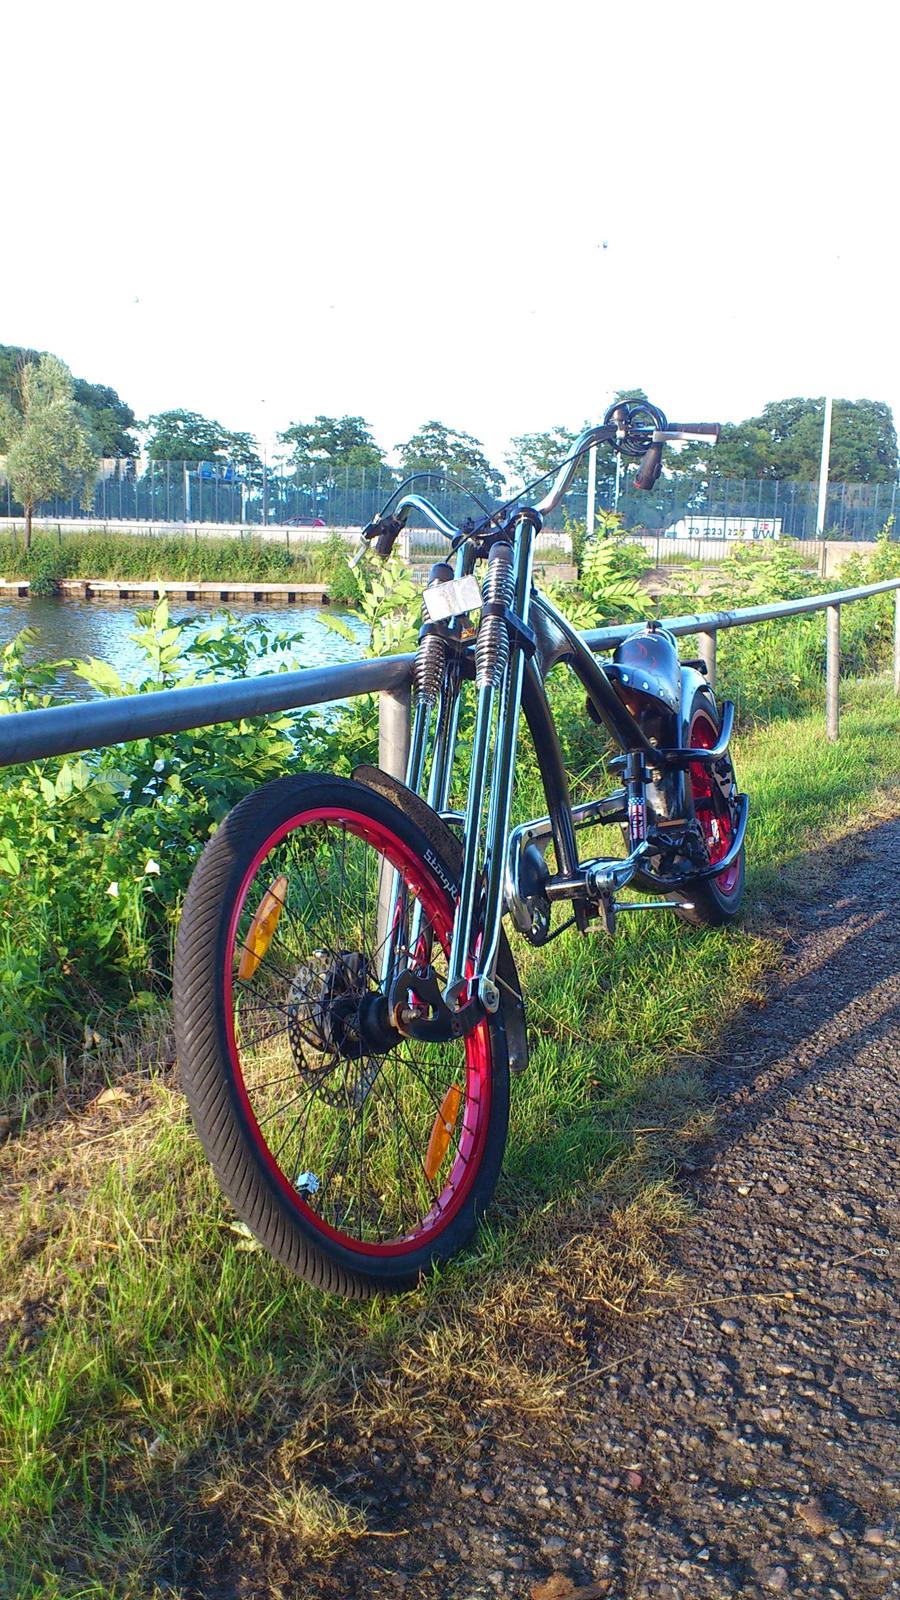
832	670
393	731
707	642
393	754
897	641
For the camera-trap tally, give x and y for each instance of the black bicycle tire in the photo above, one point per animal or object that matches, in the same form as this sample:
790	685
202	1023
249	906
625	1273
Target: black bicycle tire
206	1070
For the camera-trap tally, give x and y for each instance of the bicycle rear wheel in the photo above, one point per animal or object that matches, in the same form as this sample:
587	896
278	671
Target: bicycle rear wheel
356	1155
710	798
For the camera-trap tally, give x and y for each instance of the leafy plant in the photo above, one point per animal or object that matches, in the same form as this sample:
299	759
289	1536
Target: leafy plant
97	852
610	590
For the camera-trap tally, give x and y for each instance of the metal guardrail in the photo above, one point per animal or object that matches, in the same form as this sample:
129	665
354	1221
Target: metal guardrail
89	724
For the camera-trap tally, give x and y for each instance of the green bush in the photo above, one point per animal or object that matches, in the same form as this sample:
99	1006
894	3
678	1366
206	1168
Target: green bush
777	668
96	852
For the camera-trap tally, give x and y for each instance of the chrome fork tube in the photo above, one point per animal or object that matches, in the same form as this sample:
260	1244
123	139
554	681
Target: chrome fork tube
508	698
446	726
389	879
445	742
389	886
415	765
456	992
503	777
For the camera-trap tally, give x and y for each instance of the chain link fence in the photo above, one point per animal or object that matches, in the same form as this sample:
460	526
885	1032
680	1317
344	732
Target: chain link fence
209	492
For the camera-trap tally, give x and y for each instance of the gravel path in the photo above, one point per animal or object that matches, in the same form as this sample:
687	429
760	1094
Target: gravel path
746	1442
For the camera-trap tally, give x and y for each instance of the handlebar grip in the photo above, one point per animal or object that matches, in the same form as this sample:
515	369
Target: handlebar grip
650	467
384	544
381	532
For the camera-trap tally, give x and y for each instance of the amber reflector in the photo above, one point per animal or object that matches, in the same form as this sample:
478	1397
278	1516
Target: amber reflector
441	1133
262	928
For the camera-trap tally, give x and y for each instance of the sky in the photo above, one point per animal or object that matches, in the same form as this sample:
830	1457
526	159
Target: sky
493	214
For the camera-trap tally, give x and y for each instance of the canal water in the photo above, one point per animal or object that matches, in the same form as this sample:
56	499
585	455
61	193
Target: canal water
77	629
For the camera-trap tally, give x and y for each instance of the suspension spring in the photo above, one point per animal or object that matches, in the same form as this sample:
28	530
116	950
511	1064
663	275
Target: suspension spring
492	644
431	656
428	669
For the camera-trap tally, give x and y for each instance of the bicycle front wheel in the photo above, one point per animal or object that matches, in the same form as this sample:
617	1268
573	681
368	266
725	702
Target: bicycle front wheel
356	1155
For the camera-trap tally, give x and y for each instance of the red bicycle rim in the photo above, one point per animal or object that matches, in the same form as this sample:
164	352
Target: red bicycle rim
477	1097
710	807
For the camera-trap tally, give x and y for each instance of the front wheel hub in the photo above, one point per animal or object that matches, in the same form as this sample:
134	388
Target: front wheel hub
332	1010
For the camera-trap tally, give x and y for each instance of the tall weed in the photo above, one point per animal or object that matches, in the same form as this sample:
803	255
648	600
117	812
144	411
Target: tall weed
179	557
777	668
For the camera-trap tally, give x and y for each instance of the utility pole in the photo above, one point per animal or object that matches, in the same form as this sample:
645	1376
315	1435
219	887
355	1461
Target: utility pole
591	509
822	506
823	469
591	515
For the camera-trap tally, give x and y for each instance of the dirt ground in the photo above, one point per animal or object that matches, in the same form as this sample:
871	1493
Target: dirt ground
742	1437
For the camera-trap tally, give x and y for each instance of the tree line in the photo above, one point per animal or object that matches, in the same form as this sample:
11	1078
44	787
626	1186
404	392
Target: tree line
54	427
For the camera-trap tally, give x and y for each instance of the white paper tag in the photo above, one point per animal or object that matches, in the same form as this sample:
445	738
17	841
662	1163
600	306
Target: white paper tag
443	600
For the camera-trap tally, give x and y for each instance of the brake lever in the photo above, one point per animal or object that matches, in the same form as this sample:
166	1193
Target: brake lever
669	435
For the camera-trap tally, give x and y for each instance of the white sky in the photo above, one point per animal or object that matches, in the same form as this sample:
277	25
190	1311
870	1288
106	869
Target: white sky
265	211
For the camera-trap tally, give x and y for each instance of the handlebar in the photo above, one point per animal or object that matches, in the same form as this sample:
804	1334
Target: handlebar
651	465
382	531
625	427
603	435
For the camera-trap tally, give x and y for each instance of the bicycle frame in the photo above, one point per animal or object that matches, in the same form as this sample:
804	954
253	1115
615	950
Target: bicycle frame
540	637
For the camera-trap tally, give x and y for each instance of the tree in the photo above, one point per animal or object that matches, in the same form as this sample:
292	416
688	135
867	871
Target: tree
785	442
106	418
332	446
534	454
441	450
630	394
13	358
47	450
863	439
188	436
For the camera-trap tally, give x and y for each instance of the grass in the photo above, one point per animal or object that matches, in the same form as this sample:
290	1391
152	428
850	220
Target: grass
166	1392
177	557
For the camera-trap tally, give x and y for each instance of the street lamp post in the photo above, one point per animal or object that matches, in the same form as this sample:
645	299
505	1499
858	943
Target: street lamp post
591	512
823	470
822	507
591	507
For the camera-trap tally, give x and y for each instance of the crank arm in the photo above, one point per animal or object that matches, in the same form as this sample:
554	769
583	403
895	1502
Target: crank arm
597	878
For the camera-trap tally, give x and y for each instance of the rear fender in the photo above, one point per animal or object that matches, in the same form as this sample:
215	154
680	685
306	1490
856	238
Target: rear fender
691	681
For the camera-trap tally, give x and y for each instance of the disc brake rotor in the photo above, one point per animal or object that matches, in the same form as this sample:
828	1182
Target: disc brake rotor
324	1025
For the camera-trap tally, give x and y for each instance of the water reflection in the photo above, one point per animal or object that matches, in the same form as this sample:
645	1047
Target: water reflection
103	628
